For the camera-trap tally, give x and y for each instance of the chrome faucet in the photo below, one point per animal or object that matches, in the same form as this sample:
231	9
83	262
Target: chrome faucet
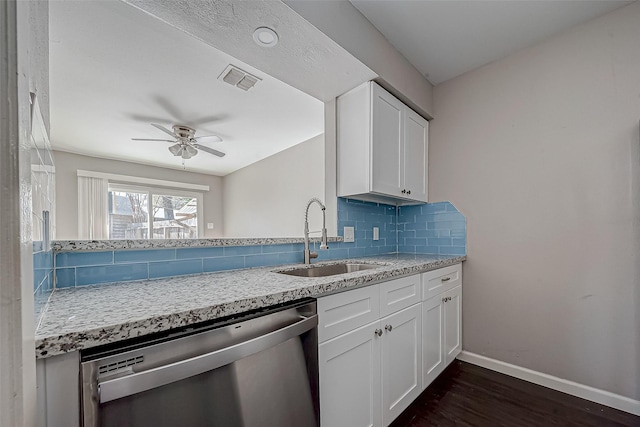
323	244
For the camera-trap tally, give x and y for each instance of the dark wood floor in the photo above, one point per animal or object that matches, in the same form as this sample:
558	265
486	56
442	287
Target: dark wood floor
468	395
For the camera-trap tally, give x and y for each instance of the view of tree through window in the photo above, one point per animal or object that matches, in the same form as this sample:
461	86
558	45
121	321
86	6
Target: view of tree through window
172	216
175	217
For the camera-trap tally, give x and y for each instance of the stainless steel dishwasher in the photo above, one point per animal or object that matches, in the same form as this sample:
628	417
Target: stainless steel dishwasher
259	369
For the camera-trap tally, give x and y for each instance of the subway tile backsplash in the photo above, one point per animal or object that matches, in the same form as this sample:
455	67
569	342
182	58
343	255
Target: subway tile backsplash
436	228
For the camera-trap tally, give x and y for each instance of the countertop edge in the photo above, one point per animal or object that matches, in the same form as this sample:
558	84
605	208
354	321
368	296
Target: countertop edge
57	344
110	245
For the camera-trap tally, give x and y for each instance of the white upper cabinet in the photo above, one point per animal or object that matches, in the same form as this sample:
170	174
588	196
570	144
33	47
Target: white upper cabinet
416	139
382	147
387	142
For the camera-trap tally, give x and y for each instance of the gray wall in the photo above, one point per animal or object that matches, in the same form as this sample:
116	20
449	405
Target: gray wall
67	165
267	198
541	152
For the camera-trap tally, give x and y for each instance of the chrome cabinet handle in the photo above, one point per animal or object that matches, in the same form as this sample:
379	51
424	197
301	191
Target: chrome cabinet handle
446	279
378	332
388	328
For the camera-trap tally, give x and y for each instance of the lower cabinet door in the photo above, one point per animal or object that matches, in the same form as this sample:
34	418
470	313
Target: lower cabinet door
433	362
452	323
401	361
350	386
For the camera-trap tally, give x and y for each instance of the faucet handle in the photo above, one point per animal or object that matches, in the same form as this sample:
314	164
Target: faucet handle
323	242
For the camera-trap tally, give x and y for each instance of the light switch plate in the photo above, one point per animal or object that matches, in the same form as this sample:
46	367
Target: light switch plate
376	233
209	226
349	234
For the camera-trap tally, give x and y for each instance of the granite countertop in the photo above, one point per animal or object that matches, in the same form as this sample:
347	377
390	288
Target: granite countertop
89	316
106	245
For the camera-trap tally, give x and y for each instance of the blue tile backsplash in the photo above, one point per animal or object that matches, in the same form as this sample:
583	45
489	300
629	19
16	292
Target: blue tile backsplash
436	228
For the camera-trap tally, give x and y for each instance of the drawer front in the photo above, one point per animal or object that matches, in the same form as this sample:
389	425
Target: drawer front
398	294
347	311
440	280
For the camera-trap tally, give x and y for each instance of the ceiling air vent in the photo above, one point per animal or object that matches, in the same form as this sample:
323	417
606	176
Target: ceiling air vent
238	78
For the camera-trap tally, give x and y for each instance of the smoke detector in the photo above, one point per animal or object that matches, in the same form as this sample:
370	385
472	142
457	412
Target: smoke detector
238	78
265	37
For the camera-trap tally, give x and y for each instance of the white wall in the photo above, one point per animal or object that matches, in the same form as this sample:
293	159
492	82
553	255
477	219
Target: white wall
24	51
541	151
341	21
67	165
268	198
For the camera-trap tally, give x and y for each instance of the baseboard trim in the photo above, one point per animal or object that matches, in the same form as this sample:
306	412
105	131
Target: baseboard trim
579	390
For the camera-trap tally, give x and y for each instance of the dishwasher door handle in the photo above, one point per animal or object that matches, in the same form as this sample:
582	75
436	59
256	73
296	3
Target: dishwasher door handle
142	381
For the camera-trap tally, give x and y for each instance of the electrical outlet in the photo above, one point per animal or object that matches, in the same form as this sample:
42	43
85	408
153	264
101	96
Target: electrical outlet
349	234
376	233
209	226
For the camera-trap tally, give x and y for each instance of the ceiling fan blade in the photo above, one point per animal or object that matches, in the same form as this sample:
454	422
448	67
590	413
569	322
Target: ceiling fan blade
209	138
163	129
147	139
209	150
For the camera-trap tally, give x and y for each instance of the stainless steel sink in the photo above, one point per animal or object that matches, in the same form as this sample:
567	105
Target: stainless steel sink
328	270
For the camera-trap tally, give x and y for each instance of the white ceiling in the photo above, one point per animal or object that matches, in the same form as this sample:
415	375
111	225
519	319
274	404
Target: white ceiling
444	39
115	69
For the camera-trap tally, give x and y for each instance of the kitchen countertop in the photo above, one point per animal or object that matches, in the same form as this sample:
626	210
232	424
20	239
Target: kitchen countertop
109	245
90	316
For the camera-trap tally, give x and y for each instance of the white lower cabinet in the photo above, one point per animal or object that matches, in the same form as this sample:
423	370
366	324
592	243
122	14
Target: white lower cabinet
401	361
432	339
350	379
452	324
381	345
441	333
370	375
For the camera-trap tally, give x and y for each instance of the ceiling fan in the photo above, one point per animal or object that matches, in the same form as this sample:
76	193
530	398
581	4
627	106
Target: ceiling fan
186	144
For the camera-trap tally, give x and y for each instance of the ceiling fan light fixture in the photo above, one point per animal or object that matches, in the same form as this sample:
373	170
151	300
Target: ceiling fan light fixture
190	150
176	149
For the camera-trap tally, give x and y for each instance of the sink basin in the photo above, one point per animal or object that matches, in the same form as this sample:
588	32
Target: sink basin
328	270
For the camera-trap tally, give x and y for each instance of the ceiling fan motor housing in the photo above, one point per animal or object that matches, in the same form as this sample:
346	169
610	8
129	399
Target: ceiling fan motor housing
184	131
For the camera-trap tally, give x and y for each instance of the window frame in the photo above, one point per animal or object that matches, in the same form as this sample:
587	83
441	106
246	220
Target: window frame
114	185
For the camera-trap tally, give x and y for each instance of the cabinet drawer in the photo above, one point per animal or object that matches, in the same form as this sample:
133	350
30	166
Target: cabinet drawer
399	293
441	280
346	311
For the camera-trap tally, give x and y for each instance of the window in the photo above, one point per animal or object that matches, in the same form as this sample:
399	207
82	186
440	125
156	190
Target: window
137	212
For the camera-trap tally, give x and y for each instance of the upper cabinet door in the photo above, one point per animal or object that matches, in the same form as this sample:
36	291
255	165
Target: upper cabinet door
387	141
416	143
